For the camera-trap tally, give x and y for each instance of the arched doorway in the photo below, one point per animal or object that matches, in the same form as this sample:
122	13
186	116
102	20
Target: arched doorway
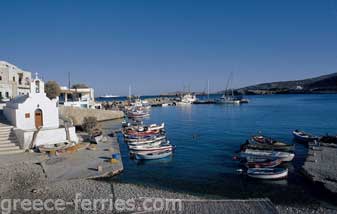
38	118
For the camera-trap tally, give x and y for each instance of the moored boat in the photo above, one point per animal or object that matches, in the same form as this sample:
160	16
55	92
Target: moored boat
284	156
267	173
261	146
152	155
148	148
267	140
304	137
266	163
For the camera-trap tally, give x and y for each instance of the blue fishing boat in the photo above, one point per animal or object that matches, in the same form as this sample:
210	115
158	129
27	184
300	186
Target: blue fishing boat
304	137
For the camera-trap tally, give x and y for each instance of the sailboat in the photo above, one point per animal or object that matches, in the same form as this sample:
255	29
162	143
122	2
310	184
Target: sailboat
228	97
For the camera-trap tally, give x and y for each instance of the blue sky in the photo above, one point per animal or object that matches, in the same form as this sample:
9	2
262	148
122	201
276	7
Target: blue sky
160	46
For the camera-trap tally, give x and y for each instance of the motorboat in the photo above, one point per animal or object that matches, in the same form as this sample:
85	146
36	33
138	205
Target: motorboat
304	137
267	173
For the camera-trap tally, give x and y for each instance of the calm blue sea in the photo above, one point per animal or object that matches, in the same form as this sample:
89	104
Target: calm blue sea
206	137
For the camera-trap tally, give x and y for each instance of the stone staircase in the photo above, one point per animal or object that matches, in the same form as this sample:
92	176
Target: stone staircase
8	141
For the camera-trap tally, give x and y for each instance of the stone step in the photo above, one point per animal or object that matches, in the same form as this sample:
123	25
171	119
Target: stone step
2	139
8	145
9	148
7	141
11	151
5	128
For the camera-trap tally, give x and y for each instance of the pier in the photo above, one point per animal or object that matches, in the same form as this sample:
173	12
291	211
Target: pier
320	166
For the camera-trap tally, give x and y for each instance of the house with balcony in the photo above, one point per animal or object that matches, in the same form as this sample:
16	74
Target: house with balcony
13	81
77	97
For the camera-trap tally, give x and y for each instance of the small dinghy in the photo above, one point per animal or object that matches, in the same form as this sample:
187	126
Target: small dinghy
284	156
263	163
267	173
152	155
304	137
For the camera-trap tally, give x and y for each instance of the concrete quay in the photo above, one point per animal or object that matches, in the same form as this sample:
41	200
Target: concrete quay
78	114
320	166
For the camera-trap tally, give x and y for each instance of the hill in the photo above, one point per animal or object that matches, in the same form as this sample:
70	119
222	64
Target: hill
321	84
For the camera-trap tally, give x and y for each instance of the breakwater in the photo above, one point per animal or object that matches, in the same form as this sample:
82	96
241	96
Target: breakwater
78	114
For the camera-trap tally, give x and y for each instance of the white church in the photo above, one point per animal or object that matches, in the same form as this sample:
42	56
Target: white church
36	113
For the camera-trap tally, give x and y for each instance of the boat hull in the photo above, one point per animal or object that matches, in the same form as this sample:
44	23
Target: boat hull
152	156
268	173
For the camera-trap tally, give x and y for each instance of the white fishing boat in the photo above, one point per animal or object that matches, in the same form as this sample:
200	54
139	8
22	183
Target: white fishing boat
267	173
284	156
148	142
142	145
188	98
151	147
153	155
145	139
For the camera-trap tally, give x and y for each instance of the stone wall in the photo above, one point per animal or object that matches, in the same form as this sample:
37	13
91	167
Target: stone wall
78	114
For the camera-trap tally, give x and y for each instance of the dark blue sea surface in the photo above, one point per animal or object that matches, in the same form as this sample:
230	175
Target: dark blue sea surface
207	136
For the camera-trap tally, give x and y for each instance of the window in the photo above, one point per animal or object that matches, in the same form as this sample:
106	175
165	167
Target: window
7	94
13	79
0	77
0	94
27	115
37	86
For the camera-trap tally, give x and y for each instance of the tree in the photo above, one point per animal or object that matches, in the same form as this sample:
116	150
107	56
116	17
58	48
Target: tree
52	89
89	123
79	85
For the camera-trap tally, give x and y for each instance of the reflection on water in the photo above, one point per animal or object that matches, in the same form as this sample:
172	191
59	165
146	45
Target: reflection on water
207	135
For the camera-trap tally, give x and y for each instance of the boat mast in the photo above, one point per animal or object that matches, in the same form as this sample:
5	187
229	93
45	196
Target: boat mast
208	89
130	92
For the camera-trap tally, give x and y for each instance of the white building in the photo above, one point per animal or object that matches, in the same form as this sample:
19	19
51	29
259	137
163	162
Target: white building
13	81
36	114
77	97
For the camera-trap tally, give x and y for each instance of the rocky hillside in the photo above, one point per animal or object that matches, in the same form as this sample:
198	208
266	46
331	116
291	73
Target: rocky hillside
321	84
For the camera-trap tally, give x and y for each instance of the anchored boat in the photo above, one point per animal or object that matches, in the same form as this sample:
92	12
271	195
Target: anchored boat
304	137
153	155
267	173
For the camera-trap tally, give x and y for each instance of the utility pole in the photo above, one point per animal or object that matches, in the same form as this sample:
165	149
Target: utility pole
68	80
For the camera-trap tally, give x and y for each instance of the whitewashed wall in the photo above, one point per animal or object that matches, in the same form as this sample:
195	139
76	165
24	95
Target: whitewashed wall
45	137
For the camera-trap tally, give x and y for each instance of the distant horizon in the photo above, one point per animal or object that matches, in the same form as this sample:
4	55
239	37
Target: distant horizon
163	47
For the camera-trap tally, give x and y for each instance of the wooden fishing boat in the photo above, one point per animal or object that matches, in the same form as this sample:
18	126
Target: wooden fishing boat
266	163
284	156
53	147
152	148
262	146
137	114
267	140
141	134
304	137
267	173
152	155
145	139
141	144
